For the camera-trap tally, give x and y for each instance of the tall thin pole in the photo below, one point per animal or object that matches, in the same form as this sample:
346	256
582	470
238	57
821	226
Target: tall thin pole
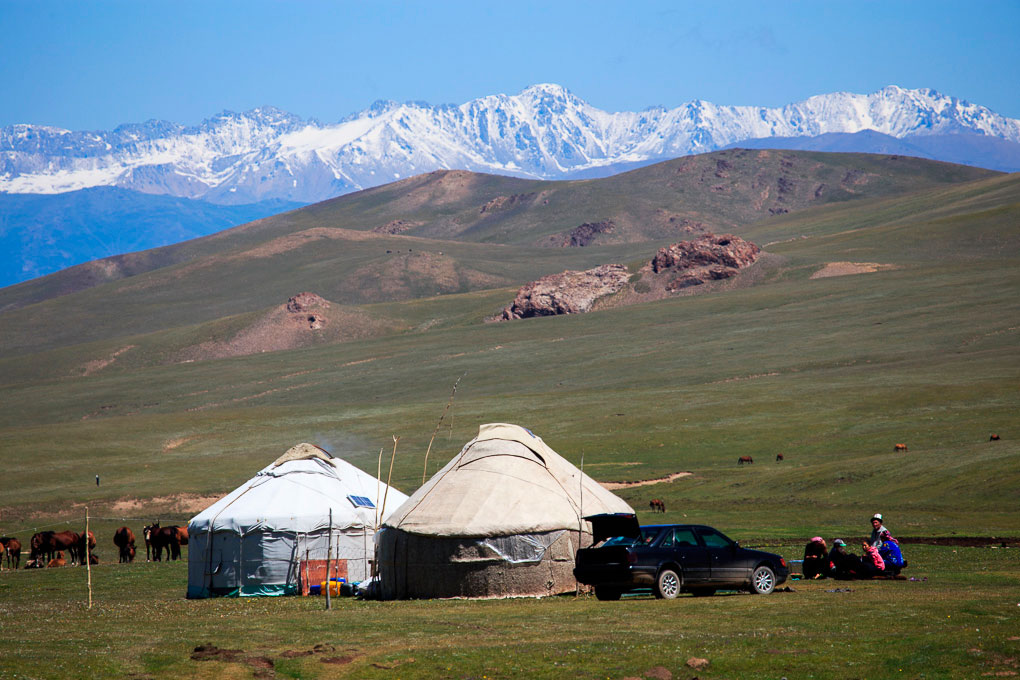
329	560
389	478
378	481
88	562
453	394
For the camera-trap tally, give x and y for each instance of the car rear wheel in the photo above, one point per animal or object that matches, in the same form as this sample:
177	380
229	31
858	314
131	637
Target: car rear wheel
667	585
604	593
763	580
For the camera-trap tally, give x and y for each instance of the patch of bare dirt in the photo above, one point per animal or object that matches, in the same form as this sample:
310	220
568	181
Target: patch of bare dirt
613	486
171	444
337	660
305	320
413	273
176	503
850	268
97	365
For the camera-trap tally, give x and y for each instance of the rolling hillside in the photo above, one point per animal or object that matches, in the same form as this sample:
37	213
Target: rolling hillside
914	341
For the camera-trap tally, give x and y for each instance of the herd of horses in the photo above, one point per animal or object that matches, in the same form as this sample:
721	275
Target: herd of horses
60	548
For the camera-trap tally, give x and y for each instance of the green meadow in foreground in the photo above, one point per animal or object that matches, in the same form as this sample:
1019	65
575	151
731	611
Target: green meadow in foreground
960	619
921	347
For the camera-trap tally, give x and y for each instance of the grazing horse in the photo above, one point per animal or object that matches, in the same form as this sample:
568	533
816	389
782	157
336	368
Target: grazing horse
147	533
124	539
40	547
657	505
58	561
71	542
900	447
779	457
994	438
169	539
13	549
744	459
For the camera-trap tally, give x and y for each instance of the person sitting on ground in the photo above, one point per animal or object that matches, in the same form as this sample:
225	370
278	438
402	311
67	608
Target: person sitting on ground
845	565
876	530
891	554
816	559
873	563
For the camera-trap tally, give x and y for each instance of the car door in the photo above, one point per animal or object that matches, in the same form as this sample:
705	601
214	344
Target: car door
684	549
726	564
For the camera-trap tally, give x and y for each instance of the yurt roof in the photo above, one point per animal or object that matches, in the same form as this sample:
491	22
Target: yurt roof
505	481
296	492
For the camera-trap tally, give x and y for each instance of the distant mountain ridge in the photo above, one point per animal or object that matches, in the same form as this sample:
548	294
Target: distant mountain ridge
544	132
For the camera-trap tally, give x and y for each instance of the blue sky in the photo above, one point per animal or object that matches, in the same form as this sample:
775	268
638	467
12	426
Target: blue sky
96	64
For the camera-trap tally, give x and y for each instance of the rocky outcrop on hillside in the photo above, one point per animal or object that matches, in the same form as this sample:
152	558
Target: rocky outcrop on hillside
708	258
396	227
589	233
506	202
571	292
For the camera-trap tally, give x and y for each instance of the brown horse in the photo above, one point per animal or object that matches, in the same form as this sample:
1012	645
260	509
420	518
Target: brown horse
900	447
13	548
657	505
58	561
124	539
147	533
744	459
45	544
779	457
182	535
166	538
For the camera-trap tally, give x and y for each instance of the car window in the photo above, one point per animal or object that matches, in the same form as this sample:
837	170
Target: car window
621	540
684	537
713	539
678	537
648	534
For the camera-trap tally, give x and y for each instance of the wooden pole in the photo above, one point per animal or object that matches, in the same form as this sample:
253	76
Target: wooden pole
88	562
378	481
453	394
329	560
389	477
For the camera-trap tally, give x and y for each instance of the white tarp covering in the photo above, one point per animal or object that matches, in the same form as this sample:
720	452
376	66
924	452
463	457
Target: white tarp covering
250	541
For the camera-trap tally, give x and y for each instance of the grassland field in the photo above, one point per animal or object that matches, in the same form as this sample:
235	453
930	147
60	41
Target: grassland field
831	372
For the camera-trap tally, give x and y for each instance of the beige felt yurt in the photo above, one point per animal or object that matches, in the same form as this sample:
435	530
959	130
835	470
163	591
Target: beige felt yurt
502	519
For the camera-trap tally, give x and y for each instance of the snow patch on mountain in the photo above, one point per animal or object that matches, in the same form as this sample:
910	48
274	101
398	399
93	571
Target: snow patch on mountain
543	132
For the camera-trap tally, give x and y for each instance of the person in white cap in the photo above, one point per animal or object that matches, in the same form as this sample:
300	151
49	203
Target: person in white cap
876	530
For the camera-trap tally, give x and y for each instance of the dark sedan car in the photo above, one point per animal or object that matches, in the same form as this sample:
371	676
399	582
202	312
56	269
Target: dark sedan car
670	559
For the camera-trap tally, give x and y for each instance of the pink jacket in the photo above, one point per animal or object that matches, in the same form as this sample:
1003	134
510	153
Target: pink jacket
871	553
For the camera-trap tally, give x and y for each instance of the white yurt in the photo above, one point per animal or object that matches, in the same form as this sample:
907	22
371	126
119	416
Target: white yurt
253	540
504	518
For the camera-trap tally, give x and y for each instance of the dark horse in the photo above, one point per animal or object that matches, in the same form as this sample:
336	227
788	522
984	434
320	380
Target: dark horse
13	548
124	539
169	539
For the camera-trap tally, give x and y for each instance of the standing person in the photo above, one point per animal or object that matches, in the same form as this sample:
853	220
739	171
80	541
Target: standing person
816	559
876	530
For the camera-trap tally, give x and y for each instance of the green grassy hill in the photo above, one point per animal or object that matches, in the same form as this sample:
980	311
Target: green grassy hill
831	371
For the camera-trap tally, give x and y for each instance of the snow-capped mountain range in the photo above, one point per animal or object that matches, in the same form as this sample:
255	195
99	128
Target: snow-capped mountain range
544	132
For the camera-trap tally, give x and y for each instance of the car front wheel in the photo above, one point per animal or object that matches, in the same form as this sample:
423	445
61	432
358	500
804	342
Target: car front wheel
763	580
667	585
